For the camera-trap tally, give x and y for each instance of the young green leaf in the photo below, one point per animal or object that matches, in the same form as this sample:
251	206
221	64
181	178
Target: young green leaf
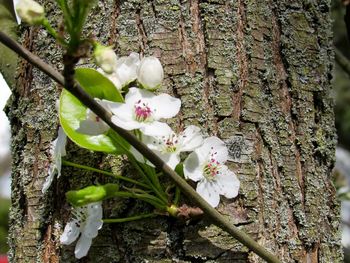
72	111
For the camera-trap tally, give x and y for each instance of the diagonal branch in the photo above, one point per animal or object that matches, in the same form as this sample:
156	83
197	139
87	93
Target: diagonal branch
89	102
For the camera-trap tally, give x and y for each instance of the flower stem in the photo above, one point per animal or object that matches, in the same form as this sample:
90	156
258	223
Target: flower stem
67	163
45	23
127	219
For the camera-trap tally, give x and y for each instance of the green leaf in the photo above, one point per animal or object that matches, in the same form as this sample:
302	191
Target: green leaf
72	111
91	194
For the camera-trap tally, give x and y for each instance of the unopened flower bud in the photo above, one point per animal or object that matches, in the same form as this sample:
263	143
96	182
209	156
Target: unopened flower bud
105	58
150	74
30	12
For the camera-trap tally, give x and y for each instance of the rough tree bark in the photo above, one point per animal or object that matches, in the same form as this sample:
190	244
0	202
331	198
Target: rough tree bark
255	73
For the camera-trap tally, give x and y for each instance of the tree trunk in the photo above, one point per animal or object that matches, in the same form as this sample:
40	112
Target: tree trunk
255	73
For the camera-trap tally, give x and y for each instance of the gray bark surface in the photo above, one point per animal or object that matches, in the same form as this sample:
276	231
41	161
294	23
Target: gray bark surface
255	73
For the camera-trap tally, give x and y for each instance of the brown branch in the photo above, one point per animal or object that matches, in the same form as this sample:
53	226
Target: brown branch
89	102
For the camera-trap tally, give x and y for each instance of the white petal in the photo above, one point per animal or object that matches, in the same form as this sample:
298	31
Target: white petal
171	159
213	145
82	247
49	178
126	124
95	210
191	138
120	109
193	167
153	142
209	192
136	94
70	233
92	128
61	142
228	183
155	128
165	106
91	228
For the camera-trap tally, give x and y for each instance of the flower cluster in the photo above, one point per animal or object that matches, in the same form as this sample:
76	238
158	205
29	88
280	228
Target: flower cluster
122	71
143	112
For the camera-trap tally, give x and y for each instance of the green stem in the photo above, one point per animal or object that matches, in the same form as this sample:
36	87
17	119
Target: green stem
67	163
157	191
127	219
45	23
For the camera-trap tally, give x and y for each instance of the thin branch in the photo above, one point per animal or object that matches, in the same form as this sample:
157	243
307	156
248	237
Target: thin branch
342	61
89	102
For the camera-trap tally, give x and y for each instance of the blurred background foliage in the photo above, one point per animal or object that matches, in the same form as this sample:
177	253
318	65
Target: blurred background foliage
341	84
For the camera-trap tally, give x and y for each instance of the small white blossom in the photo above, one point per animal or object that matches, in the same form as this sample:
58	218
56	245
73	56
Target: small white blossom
206	166
57	150
93	124
105	58
150	73
87	220
30	12
125	70
143	110
168	147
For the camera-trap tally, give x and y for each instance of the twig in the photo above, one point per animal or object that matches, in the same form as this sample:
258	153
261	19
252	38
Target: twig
89	102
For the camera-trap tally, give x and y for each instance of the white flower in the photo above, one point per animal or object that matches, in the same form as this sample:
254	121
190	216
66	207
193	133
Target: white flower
125	70
150	73
87	220
93	124
143	110
168	147
206	166
57	150
30	12
105	58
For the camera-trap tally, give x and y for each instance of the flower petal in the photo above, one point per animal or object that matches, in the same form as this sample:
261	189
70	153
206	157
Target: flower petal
155	128
92	128
70	233
129	124
171	159
91	227
136	94
49	178
165	106
60	146
209	192
119	109
213	145
228	183
82	247
191	138
193	167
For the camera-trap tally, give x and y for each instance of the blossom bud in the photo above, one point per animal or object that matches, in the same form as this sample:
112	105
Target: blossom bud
30	12
126	68
105	58
150	73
